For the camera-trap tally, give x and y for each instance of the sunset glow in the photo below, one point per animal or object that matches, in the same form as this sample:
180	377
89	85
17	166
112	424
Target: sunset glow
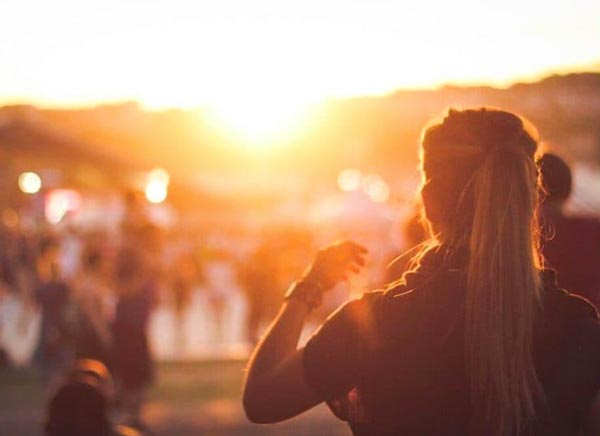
261	119
191	53
257	66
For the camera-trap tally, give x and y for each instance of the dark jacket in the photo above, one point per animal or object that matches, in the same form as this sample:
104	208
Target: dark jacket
392	363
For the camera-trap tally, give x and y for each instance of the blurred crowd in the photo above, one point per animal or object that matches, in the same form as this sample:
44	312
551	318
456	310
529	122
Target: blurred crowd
94	291
91	292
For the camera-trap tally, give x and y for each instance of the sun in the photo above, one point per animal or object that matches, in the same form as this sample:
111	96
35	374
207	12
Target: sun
261	120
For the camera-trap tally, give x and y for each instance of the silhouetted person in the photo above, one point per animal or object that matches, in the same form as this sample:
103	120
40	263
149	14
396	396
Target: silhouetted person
184	278
476	340
54	349
133	365
219	282
261	282
80	406
138	272
93	336
570	244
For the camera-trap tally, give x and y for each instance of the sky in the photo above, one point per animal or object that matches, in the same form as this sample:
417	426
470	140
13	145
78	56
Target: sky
231	54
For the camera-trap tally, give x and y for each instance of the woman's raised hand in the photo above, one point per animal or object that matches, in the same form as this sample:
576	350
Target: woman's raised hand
334	263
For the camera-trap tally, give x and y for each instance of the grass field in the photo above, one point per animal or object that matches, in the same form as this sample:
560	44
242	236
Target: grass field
188	399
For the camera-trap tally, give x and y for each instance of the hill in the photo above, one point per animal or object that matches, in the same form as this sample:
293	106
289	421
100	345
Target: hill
373	133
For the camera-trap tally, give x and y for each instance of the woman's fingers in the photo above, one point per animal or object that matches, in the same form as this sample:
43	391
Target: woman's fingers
349	250
335	262
353	248
350	256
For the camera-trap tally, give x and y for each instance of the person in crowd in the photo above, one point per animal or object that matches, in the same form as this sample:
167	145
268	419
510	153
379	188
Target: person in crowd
5	291
80	406
137	295
220	284
135	218
53	296
18	261
71	251
260	277
94	310
570	244
263	275
185	276
477	339
4	356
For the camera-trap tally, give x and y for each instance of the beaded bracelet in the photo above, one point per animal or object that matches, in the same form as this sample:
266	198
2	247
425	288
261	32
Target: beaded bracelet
307	291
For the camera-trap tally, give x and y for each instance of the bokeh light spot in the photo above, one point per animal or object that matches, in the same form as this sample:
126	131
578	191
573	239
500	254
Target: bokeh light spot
30	183
349	180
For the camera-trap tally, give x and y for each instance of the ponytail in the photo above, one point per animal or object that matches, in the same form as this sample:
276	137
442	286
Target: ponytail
502	295
480	192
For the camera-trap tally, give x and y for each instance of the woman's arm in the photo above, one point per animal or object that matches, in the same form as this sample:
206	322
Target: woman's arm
275	387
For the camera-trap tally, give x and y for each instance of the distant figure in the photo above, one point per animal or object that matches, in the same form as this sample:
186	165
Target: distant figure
260	277
220	284
264	275
134	216
94	313
4	357
71	248
137	276
133	365
185	276
52	295
80	406
570	244
4	292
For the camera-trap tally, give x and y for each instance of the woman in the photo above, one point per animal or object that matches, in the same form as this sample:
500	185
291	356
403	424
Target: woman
476	339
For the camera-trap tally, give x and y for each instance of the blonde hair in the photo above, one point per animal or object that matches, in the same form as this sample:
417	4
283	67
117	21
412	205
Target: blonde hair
479	191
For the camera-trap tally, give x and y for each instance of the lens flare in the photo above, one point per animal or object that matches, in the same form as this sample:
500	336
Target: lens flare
349	180
157	186
30	183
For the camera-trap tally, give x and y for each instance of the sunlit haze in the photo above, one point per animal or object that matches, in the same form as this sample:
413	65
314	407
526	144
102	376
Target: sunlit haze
191	189
258	63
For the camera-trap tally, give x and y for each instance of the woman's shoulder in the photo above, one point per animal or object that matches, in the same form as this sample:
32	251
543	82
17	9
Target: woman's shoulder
568	341
354	321
360	309
571	320
560	303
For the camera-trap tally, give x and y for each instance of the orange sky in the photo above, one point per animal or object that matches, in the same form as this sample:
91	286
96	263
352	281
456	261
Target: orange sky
231	54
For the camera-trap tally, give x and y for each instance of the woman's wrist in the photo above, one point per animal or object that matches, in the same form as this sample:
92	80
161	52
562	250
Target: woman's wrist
307	291
297	306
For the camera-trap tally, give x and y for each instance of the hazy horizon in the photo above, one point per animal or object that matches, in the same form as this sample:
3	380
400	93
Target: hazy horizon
592	68
288	54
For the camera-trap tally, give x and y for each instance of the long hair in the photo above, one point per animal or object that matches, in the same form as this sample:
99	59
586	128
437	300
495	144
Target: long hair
479	191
